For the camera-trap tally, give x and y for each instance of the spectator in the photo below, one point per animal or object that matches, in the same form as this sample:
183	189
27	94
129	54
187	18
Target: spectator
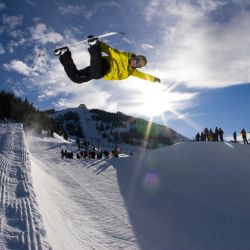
221	132
62	153
210	135
244	136
106	154
206	132
203	136
197	137
81	154
235	137
216	134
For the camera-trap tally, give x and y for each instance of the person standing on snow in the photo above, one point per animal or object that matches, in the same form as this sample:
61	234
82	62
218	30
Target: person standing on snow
221	132
118	65
244	136
235	136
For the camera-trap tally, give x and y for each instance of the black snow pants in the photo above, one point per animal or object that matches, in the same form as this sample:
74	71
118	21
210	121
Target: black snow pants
98	68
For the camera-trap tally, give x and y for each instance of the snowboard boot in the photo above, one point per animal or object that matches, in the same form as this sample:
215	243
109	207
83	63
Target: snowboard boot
93	41
60	51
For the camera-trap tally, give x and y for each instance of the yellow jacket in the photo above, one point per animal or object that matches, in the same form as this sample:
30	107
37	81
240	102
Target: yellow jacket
119	65
243	133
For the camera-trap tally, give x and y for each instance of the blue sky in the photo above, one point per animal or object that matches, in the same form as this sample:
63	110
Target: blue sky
200	50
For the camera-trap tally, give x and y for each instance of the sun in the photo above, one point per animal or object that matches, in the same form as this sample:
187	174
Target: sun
156	100
161	101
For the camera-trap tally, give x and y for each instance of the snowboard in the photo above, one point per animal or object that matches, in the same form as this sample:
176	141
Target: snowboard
85	40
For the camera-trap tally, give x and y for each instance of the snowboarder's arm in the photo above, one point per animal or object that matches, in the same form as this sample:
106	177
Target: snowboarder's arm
145	76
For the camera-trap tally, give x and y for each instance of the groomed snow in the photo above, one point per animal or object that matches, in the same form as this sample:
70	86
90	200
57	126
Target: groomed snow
187	196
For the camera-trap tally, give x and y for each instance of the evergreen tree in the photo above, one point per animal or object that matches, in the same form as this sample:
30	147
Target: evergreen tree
65	135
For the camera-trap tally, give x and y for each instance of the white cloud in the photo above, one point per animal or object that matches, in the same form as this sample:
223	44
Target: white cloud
184	116
37	67
12	21
2	51
146	46
17	33
19	66
151	9
44	34
199	50
127	40
17	89
46	94
86	11
71	9
14	44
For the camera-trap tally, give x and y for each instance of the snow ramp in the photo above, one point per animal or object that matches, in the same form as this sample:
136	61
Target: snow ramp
188	196
20	222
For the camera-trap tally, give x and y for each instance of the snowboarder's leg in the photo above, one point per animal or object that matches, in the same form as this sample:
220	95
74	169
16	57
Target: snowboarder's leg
77	76
98	65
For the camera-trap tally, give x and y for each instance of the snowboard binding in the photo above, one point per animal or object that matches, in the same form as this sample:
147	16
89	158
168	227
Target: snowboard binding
93	41
60	51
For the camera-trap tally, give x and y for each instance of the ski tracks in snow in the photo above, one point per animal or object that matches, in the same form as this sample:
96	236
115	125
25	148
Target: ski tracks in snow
20	223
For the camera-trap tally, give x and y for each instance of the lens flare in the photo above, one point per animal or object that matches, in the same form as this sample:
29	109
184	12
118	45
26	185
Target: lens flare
151	182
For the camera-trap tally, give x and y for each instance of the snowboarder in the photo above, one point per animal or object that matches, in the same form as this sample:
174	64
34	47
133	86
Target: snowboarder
118	65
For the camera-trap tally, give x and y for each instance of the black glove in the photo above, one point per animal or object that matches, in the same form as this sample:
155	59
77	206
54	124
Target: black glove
157	80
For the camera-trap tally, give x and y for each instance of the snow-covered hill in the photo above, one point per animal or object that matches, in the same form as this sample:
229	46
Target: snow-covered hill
191	195
85	119
95	137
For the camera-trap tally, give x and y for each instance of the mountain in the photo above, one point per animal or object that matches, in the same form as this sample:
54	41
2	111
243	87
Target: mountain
105	128
191	195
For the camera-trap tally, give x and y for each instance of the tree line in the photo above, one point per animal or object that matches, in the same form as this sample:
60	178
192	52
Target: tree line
14	108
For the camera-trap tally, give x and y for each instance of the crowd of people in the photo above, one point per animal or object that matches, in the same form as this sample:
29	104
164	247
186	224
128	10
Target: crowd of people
217	135
67	154
89	151
210	135
86	154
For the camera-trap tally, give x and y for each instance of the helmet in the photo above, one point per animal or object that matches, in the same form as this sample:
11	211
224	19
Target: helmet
140	61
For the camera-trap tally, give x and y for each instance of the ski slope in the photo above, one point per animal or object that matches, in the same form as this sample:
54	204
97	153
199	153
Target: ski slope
187	196
93	136
86	121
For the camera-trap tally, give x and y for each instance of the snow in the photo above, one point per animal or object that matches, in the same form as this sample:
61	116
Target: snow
192	195
21	225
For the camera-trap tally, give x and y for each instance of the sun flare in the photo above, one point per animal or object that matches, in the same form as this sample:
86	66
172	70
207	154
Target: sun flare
156	100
